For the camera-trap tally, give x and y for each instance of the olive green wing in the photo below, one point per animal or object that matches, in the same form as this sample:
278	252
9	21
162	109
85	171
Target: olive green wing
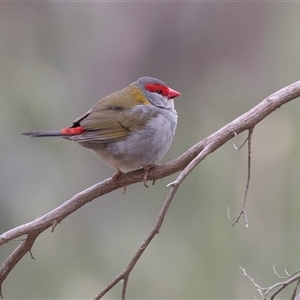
107	123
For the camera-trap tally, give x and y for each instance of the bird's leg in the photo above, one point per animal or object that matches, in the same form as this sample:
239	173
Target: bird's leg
146	173
116	176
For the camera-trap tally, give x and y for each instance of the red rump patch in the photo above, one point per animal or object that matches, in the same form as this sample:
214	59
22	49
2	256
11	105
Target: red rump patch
73	131
157	88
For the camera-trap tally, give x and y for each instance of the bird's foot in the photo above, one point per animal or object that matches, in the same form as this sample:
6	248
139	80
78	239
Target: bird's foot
146	173
116	176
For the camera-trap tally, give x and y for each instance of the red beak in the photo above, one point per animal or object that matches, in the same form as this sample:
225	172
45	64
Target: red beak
172	94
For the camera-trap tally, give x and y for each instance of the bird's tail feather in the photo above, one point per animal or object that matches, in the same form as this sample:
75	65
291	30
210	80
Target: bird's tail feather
43	133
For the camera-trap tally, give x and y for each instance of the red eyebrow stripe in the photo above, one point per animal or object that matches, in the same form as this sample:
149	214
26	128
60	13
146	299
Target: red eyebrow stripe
156	87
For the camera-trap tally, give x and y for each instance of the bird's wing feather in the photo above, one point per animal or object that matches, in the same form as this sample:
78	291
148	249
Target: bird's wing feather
107	123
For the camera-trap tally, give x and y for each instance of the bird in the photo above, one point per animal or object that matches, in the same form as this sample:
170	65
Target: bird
130	129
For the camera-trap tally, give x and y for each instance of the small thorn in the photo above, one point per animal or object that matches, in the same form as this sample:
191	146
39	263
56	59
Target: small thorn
31	255
54	224
171	184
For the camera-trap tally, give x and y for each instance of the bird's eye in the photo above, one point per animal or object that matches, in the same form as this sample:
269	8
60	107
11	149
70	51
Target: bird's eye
159	92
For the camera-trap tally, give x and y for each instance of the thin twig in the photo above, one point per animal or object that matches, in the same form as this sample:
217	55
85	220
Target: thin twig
275	289
258	288
244	212
285	271
248	175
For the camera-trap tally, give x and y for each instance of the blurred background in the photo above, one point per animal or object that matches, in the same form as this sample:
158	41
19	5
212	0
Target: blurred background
58	58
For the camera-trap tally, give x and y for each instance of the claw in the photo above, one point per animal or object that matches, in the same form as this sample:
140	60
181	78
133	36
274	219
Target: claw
124	189
146	173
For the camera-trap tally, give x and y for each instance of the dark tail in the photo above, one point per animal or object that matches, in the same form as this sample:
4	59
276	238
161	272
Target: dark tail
43	133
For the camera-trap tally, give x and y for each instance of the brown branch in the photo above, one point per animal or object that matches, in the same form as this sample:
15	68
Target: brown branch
186	162
16	256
